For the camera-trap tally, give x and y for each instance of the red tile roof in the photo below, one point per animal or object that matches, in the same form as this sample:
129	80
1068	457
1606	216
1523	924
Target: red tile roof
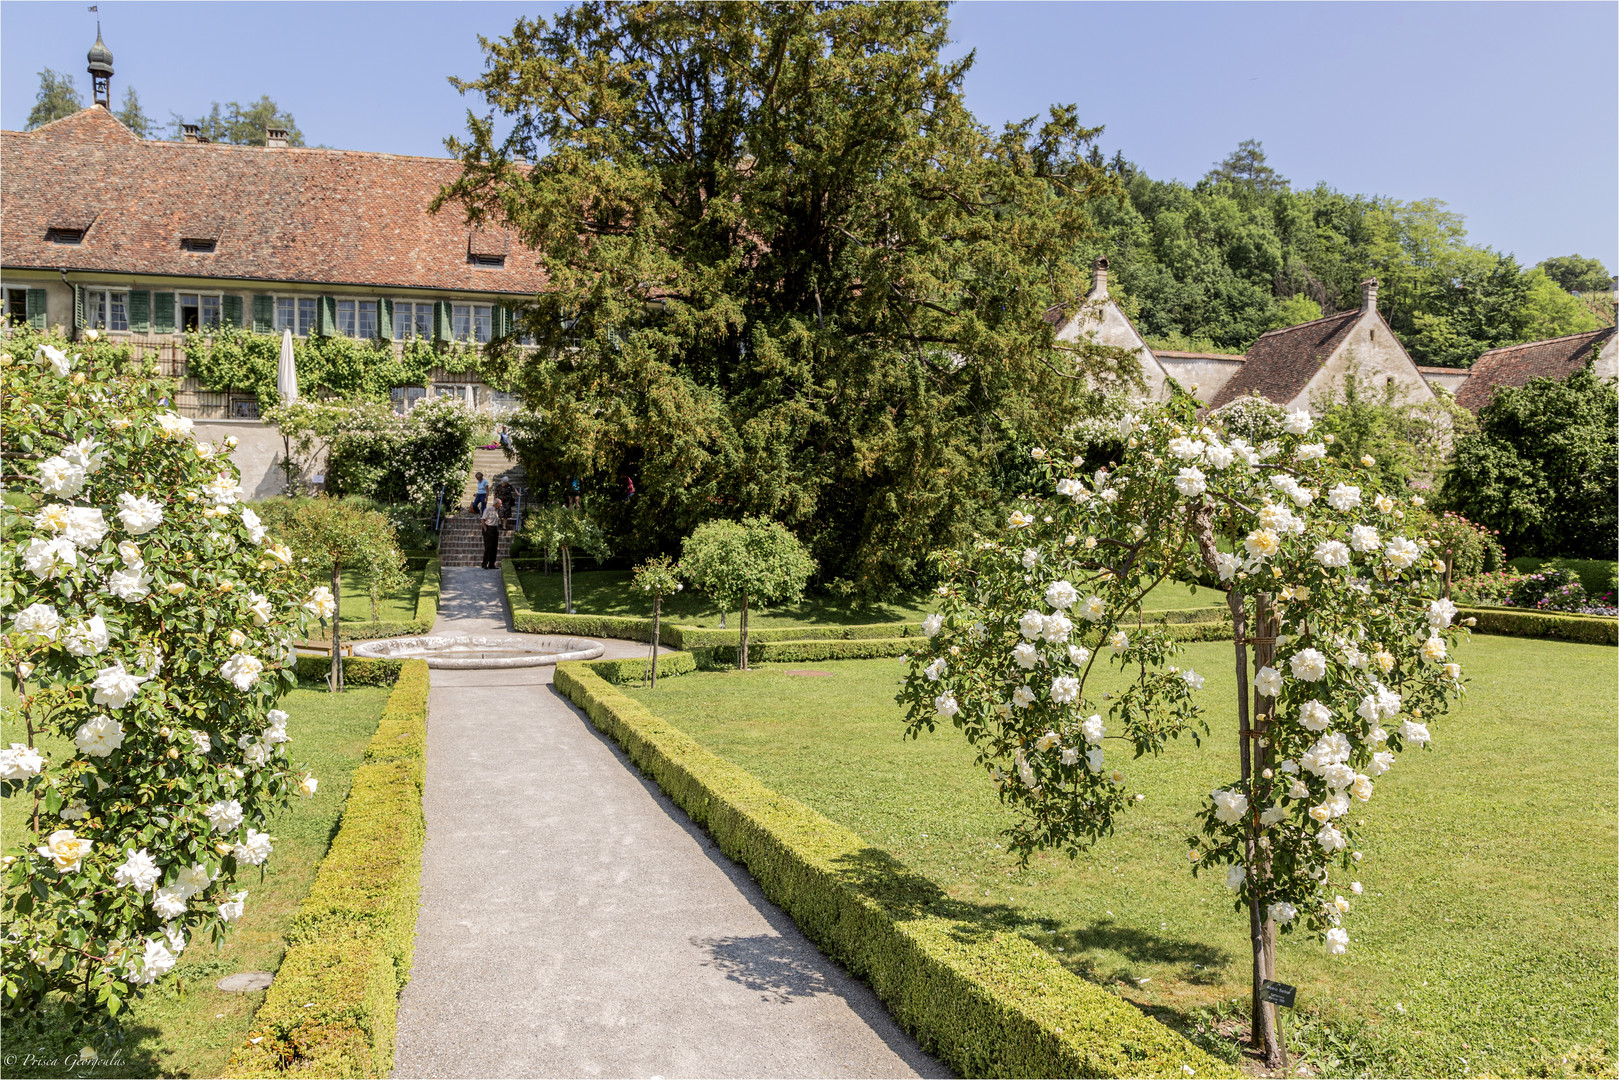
1514	365
1282	362
329	217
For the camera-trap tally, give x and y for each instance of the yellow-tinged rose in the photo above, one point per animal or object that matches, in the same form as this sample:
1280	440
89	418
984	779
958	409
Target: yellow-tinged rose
65	850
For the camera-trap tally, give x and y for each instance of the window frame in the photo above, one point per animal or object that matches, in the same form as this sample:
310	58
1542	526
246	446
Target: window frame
202	327
356	310
297	300
471	334
103	320
421	320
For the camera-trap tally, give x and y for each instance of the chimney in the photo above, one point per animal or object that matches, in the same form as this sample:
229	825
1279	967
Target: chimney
1098	279
275	137
1368	294
191	133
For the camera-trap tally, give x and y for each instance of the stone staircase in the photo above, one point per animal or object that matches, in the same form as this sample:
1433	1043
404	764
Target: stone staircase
460	540
495	468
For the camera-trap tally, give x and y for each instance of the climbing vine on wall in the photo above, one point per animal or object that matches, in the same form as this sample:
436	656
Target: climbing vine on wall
237	359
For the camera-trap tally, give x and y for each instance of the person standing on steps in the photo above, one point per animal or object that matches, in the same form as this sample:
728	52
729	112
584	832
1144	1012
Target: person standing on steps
481	499
491	535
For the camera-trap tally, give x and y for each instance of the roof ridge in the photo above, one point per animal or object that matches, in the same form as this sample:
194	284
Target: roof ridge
75	116
1312	322
1547	341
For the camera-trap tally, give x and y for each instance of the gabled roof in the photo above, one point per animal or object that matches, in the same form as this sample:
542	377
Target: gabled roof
1282	362
287	214
1515	365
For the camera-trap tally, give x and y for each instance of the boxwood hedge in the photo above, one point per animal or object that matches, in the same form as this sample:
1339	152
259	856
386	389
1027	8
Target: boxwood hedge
332	1007
1591	629
987	1002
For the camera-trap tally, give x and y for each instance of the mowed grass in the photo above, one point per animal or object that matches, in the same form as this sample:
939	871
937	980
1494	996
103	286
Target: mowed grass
190	1027
1484	942
609	592
396	606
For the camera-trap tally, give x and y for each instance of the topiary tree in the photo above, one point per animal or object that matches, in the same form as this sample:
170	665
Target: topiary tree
657	577
559	531
328	536
754	560
1339	630
148	616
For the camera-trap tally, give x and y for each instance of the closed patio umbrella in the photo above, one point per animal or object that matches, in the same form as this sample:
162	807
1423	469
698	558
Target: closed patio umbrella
286	373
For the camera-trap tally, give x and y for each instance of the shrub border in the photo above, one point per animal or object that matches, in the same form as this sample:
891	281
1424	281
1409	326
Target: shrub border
350	946
1509	622
987	1003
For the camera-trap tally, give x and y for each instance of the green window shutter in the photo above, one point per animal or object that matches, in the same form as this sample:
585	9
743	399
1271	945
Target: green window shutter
78	309
233	310
36	308
503	321
163	313
385	318
263	314
441	320
140	312
326	317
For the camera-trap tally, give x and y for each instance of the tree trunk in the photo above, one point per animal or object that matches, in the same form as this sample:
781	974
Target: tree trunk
334	681
373	602
657	602
1257	758
1450	559
742	653
567	580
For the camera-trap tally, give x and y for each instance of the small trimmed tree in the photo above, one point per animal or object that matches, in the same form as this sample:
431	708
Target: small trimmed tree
328	536
741	562
559	531
657	577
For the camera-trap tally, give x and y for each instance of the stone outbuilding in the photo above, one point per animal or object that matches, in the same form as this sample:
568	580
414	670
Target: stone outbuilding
1555	358
1097	316
1295	365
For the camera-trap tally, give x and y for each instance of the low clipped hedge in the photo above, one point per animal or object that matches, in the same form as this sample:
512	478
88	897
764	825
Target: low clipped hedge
634	669
357	670
525	620
696	637
332	1008
1514	622
1222	613
987	1002
799	652
427	596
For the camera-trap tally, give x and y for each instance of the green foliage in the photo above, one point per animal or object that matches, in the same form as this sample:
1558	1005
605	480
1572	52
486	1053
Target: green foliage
147	618
803	652
357	670
525	620
806	283
622	672
751	561
1469	548
236	358
133	117
331	1010
241	125
1599	576
1577	273
1219	263
57	97
1590	629
985	1001
1543	468
657	577
1408	442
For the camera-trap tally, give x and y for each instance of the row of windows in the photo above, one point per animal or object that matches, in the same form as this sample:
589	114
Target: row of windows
109	310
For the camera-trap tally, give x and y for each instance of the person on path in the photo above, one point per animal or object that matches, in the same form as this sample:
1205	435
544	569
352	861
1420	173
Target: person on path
491	535
573	492
481	499
629	489
506	495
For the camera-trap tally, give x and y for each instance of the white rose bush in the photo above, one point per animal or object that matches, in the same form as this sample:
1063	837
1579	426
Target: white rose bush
147	621
1333	589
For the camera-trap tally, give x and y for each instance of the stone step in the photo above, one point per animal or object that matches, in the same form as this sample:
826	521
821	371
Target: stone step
495	466
461	541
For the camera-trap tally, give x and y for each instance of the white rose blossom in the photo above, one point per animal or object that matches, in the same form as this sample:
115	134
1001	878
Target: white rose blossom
58	476
37	621
241	671
139	514
88	638
20	762
1064	689
99	737
131	585
114	687
48	356
137	872
48	559
1343	497
254	850
1268	682
930	625
1060	595
1309	665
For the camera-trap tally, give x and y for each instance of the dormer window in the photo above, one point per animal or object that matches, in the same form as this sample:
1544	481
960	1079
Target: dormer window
199	244
492	261
64	236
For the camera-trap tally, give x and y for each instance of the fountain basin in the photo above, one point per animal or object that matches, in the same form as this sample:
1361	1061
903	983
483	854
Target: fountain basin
483	650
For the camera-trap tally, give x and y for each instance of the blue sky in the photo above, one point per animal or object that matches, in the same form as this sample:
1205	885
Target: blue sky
1507	111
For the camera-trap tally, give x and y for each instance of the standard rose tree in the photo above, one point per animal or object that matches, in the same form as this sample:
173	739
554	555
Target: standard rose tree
755	560
657	577
1331	585
146	613
328	536
559	531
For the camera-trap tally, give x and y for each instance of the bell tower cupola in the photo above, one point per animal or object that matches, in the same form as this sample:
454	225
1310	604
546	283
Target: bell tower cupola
100	58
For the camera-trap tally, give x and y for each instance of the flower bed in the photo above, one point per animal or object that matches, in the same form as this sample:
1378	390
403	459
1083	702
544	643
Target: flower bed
331	1009
987	1003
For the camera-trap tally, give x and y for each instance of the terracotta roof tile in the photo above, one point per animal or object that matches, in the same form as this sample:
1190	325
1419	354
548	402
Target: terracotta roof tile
1514	365
1282	362
330	217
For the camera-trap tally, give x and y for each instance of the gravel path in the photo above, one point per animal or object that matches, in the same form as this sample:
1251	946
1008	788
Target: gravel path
574	922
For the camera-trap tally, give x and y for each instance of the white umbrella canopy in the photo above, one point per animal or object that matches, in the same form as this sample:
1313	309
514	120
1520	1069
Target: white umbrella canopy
286	373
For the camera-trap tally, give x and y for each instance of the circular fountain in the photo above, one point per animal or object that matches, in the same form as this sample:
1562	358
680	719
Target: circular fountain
483	650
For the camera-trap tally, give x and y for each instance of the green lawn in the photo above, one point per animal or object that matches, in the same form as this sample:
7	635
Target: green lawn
608	592
398	606
190	1028
1485	941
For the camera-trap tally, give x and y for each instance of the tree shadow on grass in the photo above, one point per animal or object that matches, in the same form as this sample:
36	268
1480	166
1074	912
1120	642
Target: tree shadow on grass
906	894
41	1050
